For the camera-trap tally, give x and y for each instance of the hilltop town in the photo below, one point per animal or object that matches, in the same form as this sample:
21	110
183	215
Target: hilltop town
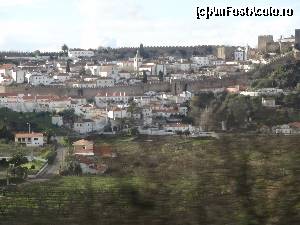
148	93
170	134
201	91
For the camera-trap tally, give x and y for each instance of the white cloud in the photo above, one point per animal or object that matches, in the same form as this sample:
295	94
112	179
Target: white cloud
107	22
118	23
14	3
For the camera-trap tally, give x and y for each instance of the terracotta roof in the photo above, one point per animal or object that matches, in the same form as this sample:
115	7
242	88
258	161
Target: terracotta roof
295	125
8	94
7	66
28	135
83	142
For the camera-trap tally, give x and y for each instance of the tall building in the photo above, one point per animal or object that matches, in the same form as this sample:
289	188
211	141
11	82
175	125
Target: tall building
221	53
264	41
138	60
297	39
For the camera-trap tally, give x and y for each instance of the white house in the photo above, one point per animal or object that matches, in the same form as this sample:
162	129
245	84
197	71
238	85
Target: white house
61	77
102	99
149	68
30	139
52	103
177	127
217	62
18	76
146	112
95	69
109	69
287	129
160	68
57	120
241	54
84	126
268	102
39	79
126	66
105	82
201	61
117	113
283	129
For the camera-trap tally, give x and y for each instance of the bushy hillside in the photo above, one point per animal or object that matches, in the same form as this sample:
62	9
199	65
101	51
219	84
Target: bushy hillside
285	75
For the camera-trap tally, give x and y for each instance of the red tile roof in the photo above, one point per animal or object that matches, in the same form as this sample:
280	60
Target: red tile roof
295	125
28	135
7	66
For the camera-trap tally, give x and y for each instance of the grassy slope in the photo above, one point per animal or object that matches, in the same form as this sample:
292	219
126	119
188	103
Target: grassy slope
172	181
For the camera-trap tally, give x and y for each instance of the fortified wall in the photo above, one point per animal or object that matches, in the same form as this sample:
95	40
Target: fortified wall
139	89
175	87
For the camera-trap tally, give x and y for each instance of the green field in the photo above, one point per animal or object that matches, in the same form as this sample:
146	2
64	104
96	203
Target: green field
172	180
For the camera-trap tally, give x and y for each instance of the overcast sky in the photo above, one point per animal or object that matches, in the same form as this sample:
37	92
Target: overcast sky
47	24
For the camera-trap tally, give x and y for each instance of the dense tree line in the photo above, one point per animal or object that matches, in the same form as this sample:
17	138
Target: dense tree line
242	112
285	76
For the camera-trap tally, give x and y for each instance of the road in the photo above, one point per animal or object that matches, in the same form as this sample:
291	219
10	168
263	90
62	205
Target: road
53	169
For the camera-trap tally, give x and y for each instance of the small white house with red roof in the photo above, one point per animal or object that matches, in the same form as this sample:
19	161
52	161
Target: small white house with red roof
30	139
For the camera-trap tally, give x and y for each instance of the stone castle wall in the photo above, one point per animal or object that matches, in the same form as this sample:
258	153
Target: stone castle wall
175	87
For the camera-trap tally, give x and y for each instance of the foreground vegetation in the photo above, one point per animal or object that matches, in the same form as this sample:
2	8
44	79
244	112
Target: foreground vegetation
172	181
19	157
240	112
17	121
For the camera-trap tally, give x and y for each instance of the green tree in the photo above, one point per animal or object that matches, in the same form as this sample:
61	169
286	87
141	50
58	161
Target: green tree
161	76
145	77
65	49
6	134
82	71
68	70
18	159
133	131
37	53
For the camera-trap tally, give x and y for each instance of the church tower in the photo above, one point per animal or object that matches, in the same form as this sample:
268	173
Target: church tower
137	61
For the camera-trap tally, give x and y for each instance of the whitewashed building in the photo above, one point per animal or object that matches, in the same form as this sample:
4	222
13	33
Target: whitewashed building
269	102
18	76
57	120
84	126
102	99
118	113
30	139
39	79
201	61
105	82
